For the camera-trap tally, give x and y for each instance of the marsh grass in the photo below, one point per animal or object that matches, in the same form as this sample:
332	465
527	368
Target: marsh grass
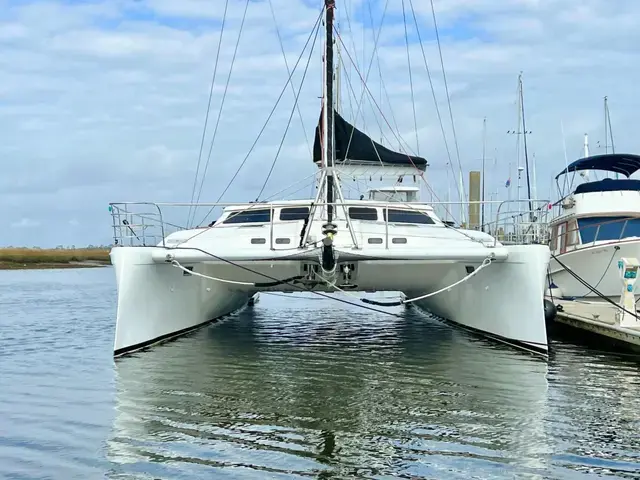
17	258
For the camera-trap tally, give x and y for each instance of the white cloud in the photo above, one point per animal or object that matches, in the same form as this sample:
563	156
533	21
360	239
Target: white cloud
25	223
105	101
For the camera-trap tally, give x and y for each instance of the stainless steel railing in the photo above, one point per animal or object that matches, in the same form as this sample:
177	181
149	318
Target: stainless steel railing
145	224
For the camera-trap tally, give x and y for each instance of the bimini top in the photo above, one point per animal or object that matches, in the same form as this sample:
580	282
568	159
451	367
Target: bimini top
624	163
609	185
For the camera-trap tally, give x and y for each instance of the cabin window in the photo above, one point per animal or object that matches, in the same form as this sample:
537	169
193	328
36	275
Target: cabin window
554	238
562	228
249	216
361	213
572	233
294	213
595	229
407	216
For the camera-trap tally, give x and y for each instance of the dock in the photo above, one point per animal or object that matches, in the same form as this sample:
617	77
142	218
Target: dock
598	318
618	321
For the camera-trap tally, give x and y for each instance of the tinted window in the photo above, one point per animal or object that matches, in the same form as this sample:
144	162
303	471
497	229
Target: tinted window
607	228
361	213
294	213
250	216
407	216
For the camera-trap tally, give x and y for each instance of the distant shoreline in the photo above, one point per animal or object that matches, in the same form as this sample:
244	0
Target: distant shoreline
52	258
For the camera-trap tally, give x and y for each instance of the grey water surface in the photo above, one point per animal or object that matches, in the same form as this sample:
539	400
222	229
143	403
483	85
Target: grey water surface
296	387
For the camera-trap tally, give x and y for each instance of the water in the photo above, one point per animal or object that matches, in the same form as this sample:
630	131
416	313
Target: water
296	388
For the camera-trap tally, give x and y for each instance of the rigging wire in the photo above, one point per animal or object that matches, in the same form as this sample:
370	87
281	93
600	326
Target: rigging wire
593	289
206	118
353	42
435	100
413	102
398	137
295	105
280	281
446	88
264	126
365	88
286	64
224	96
352	90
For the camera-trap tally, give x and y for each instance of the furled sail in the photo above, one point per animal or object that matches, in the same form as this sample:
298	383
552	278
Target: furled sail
361	148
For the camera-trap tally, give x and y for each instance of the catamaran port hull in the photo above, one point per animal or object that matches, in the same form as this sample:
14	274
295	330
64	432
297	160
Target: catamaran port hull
158	301
503	301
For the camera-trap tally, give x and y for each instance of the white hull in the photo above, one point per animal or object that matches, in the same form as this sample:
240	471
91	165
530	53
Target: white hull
597	265
158	297
157	302
504	301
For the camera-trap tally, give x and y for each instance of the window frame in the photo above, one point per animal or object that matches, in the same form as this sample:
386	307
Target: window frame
362	209
305	215
231	218
400	211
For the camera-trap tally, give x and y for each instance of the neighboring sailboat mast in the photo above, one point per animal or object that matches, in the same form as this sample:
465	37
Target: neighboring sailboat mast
522	123
524	136
484	146
608	133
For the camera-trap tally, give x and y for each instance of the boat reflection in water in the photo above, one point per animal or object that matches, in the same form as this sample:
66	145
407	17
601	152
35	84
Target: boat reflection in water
279	391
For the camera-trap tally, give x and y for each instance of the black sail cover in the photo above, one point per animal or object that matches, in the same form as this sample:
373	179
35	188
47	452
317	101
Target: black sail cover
362	149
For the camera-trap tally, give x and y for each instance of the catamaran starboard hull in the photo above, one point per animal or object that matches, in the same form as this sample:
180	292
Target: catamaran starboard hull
503	301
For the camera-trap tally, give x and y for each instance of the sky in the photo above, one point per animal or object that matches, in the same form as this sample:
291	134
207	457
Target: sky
105	101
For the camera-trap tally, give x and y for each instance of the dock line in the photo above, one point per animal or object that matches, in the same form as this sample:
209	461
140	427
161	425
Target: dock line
593	289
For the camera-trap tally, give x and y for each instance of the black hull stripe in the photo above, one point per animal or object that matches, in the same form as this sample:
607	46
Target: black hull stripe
170	336
532	347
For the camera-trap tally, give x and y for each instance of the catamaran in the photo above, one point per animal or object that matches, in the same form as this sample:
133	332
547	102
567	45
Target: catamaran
181	280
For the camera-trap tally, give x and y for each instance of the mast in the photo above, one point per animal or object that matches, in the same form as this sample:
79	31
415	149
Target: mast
606	133
338	77
484	145
328	105
608	119
526	155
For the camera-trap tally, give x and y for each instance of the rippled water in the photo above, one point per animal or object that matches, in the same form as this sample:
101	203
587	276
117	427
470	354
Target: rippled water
296	388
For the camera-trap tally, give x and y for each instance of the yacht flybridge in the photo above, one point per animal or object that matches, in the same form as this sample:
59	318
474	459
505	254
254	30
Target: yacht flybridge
181	280
596	225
